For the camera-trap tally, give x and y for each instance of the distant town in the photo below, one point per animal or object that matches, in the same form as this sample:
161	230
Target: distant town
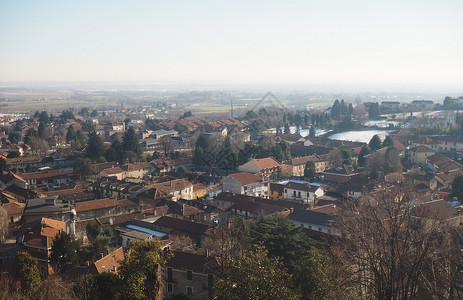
253	197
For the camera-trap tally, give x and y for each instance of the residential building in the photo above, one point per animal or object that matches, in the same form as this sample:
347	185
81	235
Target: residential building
50	207
390	106
103	207
301	191
418	155
245	183
267	167
339	174
37	236
190	274
47	178
296	166
313	220
8	179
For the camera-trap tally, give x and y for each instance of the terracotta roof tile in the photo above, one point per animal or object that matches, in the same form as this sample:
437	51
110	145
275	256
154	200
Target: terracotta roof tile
246	178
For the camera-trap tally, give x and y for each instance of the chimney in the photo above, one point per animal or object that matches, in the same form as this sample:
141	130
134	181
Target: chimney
87	263
101	255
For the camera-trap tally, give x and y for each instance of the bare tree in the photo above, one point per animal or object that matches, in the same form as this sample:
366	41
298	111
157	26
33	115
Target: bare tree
228	241
398	251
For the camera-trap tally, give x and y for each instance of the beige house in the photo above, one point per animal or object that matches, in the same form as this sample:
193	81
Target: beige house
138	170
262	166
177	189
296	166
418	155
116	172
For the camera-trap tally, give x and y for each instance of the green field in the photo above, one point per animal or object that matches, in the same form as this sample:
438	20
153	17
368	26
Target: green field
207	108
32	101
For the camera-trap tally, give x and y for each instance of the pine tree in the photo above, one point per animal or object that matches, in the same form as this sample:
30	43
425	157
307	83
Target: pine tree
71	134
130	142
95	146
312	132
364	151
375	143
388	141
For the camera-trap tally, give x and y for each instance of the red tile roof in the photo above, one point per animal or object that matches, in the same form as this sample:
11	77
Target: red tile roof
110	263
246	178
102	203
266	163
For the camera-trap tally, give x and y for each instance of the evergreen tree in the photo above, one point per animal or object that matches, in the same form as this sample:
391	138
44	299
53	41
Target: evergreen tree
350	109
95	146
336	110
388	141
287	129
312	132
114	153
374	111
71	134
31	133
364	151
26	269
42	130
347	157
43	118
64	252
82	168
130	142
310	171
375	143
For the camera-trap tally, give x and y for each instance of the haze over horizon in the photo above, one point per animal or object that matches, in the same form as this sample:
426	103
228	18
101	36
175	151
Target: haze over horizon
324	43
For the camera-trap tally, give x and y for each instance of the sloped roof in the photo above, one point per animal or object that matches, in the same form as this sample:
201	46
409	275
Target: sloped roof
399	146
115	170
437	209
181	225
14	208
102	203
266	163
443	163
246	178
311	217
110	261
256	208
8	177
304	159
47	174
191	261
421	149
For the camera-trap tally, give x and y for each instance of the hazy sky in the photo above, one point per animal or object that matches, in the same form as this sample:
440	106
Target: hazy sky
326	41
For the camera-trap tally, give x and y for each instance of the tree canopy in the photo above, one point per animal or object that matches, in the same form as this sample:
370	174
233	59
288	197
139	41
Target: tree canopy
375	143
255	275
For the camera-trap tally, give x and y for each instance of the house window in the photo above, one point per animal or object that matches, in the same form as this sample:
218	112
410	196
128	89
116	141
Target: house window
189	290
169	287
299	194
169	274
189	275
